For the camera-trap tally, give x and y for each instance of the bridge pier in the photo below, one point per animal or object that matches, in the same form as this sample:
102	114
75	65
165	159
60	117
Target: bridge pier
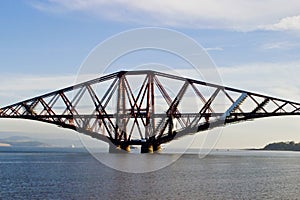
150	148
146	148
157	148
118	148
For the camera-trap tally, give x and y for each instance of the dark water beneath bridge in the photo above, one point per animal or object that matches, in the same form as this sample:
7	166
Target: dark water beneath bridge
222	175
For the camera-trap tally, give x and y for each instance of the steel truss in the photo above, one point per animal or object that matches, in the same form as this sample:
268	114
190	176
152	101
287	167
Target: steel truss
146	108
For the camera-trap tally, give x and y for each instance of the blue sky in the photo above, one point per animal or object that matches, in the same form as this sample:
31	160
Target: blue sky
255	44
47	41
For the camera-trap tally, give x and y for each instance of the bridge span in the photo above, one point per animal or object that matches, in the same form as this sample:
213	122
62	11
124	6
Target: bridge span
146	108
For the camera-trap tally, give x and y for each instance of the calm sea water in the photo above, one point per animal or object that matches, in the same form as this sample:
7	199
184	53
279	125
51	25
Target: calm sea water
221	175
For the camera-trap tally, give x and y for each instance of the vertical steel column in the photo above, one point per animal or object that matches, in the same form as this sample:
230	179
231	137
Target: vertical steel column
152	111
121	132
147	136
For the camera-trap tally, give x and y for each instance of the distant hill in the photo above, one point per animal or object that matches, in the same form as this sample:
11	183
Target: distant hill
21	141
17	138
283	146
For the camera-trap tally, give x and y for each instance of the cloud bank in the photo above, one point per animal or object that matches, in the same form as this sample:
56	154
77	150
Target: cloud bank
242	15
287	23
274	79
19	87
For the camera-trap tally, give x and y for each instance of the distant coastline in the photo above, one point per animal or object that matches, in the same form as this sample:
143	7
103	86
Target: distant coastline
281	146
21	141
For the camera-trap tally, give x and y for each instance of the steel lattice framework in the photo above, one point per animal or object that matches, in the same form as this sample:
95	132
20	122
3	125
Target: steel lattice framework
146	108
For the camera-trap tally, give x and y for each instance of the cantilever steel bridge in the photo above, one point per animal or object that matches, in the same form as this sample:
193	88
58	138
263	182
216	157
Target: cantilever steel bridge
146	108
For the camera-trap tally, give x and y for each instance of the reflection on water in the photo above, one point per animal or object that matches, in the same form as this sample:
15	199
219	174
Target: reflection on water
136	163
221	175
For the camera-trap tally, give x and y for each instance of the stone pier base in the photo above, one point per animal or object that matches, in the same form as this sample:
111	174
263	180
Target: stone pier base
150	148
119	148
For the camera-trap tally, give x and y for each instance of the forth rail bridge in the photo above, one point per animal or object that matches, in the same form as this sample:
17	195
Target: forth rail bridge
146	108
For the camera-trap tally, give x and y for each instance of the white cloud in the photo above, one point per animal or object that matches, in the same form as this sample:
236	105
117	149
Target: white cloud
214	49
274	79
283	45
287	23
228	14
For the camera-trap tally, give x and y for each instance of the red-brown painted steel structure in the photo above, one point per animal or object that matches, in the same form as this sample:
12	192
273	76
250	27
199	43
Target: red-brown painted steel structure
146	108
